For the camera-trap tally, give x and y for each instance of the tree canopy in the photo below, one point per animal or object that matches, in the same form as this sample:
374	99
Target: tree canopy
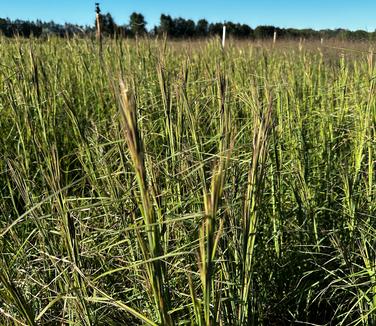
172	27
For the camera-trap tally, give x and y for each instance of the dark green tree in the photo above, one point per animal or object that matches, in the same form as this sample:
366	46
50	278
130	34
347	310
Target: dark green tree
137	24
263	32
183	28
108	25
244	31
215	29
202	28
5	27
166	25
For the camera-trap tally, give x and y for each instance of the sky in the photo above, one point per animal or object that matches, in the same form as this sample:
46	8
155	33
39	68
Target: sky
317	14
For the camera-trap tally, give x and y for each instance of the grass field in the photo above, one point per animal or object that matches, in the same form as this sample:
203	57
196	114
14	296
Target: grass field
169	183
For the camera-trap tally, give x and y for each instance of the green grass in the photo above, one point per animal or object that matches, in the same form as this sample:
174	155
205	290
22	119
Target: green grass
177	184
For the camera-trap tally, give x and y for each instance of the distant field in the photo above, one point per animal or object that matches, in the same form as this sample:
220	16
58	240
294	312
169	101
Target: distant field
170	183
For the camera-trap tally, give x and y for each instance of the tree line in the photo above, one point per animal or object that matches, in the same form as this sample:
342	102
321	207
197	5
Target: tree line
172	27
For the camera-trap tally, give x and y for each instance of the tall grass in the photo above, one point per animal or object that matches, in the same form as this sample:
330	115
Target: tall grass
179	184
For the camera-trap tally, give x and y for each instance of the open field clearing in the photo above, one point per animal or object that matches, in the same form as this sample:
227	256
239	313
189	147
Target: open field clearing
171	183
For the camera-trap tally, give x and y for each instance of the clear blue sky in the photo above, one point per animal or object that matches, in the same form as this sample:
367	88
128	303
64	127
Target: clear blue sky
351	14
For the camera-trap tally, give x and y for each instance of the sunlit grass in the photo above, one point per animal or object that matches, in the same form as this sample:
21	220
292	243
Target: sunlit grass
177	184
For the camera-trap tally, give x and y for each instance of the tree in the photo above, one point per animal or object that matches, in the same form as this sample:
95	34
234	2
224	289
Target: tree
244	31
216	29
124	31
108	25
137	24
263	32
166	25
202	28
183	28
5	27
360	35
